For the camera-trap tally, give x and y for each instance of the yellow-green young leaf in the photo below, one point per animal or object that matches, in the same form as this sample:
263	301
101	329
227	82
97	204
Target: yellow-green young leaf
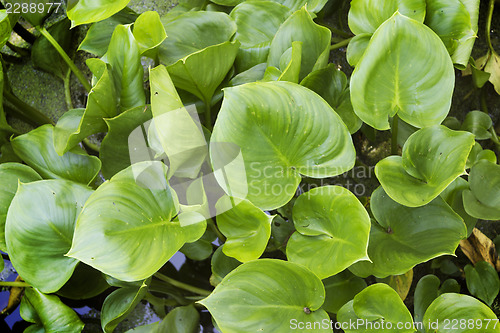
89	11
406	70
432	158
374	304
365	16
482	281
290	63
267	295
332	231
39	230
183	319
315	42
135	234
149	33
36	148
451	308
283	130
402	237
357	47
340	289
11	174
246	227
483	199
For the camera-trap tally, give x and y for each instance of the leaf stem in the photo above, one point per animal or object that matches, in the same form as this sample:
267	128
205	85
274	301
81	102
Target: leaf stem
208	115
65	57
67	90
182	285
491	7
14	284
340	44
394	139
26	110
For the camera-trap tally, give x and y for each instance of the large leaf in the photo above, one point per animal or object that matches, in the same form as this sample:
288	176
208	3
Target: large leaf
315	42
11	174
403	237
89	11
183	319
365	16
36	148
406	70
246	227
39	229
267	295
376	304
272	123
332	231
432	158
482	281
483	199
340	289
135	235
450	308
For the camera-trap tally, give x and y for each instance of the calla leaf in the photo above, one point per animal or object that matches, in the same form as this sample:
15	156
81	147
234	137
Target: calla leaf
315	42
85	283
418	88
39	229
135	235
272	123
246	227
340	289
453	196
89	11
402	237
312	6
256	73
119	304
149	33
290	63
36	148
450	308
357	47
183	319
376	303
331	84
432	158
365	16
262	295
332	231
53	315
478	123
221	265
11	174
426	292
482	281
483	199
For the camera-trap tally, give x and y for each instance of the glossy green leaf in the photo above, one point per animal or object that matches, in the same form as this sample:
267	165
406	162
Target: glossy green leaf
357	47
365	16
450	308
415	80
332	231
313	6
119	304
183	319
121	140
432	158
374	304
483	199
267	295
426	292
331	84
290	63
85	283
453	196
149	33
478	123
340	289
135	236
403	237
202	248
99	35
246	227
11	174
272	123
124	56
221	265
53	314
315	42
39	229
35	17
255	73
482	281
478	153
36	148
89	11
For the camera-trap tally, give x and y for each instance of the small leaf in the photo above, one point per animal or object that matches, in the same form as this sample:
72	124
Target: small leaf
482	281
89	11
222	265
183	319
492	66
478	123
149	33
357	47
453	196
340	289
483	199
426	292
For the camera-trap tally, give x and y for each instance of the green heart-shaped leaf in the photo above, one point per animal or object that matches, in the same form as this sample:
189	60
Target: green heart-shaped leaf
85	283
39	229
482	281
246	227
149	33
450	308
478	123
453	196
340	289
135	235
356	48
483	199
183	319
221	265
88	11
432	158
415	79
36	148
426	292
403	237
374	304
263	295
11	174
272	123
332	231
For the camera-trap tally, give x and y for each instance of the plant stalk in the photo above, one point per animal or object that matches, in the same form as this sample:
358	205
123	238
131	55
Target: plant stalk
67	90
14	284
394	139
208	115
340	44
182	285
491	8
26	110
65	57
